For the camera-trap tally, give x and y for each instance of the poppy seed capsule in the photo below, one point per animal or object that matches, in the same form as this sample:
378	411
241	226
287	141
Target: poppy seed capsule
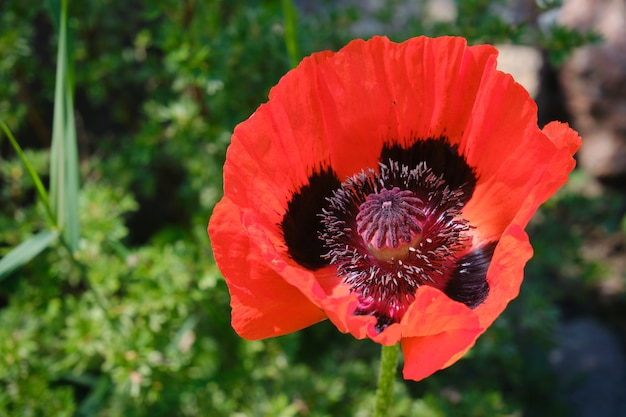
390	222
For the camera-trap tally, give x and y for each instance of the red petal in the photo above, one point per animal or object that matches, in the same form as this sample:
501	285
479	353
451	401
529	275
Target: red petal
436	332
518	166
341	111
378	92
446	330
263	303
563	137
320	286
509	199
505	274
425	355
433	312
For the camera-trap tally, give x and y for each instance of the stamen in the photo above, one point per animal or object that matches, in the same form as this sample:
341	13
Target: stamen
389	232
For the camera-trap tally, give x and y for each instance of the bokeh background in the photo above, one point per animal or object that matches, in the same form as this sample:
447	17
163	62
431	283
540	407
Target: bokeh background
136	321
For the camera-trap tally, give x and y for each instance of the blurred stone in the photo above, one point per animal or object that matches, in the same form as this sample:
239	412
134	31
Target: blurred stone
594	83
376	17
523	63
441	10
591	369
381	17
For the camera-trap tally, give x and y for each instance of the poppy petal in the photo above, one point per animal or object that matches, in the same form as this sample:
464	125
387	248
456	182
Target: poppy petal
425	355
563	137
513	251
433	312
518	174
263	303
505	274
381	92
468	282
435	329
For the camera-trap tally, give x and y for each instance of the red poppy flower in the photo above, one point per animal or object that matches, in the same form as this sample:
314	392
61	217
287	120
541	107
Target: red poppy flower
386	187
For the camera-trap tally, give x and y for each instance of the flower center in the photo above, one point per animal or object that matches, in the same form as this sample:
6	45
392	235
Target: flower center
390	222
389	232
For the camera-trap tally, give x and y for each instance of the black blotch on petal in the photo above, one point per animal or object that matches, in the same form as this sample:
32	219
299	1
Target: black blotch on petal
301	222
382	321
468	283
441	157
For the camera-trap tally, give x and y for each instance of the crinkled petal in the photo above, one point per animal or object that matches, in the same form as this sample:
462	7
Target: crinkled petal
433	312
435	329
263	303
425	355
518	166
505	274
506	271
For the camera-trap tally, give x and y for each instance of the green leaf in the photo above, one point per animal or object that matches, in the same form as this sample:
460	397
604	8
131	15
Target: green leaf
94	402
64	174
26	251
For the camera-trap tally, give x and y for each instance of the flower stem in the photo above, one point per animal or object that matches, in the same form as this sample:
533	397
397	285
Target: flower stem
291	34
388	363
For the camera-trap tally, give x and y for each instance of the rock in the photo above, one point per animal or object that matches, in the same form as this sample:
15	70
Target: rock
594	83
523	63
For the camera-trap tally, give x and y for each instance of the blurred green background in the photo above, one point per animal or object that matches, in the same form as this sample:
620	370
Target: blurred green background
159	86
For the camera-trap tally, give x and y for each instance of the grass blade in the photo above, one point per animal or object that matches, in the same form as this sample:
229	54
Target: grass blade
41	191
64	174
26	251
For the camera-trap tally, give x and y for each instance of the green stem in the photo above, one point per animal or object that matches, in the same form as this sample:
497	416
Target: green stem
291	36
388	364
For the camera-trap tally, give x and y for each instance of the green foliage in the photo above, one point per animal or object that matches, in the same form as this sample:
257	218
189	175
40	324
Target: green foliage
560	41
30	248
64	153
134	320
496	21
